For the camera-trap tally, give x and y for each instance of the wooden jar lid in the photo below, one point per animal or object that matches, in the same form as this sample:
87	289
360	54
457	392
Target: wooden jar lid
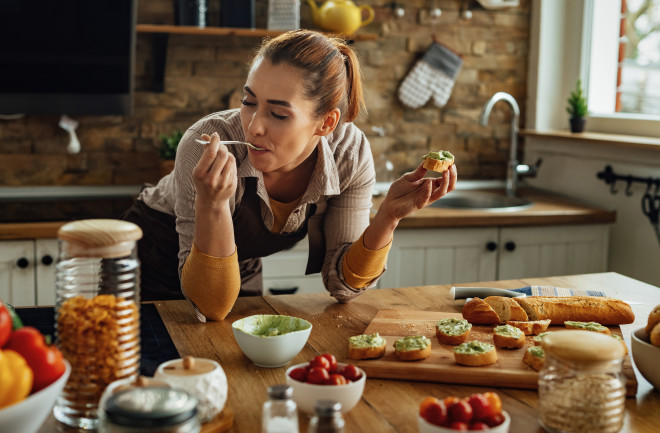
100	237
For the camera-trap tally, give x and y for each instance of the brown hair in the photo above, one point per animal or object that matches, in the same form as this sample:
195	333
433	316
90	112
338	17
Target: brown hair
332	68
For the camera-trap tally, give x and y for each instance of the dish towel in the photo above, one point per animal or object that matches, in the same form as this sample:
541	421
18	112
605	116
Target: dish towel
433	75
556	291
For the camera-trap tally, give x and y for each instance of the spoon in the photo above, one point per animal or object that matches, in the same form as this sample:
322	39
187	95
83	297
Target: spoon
231	142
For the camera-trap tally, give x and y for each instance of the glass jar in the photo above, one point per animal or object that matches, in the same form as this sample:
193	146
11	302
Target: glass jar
97	316
150	410
581	386
327	417
280	413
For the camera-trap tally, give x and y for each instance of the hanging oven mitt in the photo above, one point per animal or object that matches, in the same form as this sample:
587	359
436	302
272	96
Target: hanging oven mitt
433	75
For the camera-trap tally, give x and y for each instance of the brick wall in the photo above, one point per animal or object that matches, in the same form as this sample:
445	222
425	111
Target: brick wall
202	73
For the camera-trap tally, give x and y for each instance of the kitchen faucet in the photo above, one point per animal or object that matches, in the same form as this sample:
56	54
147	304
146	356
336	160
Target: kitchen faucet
513	168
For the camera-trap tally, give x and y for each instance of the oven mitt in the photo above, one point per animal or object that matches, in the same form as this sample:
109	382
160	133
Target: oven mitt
433	75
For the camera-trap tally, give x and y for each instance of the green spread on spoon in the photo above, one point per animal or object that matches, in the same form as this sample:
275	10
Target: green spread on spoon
453	327
366	340
413	342
442	155
473	348
508	331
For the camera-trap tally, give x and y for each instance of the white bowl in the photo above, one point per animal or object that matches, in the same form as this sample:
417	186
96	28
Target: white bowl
646	357
427	427
27	416
251	334
306	394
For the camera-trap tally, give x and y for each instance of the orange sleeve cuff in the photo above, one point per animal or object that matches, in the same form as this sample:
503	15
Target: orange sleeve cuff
211	283
361	265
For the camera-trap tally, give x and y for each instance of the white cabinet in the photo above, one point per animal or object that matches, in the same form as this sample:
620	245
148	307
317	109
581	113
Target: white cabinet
27	272
285	271
463	255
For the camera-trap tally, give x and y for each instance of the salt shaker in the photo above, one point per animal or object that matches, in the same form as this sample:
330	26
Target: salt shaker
327	417
581	387
280	413
97	316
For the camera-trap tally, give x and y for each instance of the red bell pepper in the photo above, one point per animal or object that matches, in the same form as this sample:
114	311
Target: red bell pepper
45	360
5	325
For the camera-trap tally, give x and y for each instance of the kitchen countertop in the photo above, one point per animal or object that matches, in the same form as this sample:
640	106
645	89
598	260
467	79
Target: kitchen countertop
36	218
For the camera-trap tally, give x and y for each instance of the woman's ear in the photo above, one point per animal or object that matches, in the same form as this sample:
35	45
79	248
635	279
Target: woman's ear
330	122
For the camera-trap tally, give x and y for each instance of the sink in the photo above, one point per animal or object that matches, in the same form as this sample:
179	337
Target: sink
491	201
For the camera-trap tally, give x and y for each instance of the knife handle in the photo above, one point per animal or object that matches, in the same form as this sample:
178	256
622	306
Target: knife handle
482	292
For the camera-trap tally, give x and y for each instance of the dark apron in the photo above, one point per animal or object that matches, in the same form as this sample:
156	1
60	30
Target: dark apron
159	247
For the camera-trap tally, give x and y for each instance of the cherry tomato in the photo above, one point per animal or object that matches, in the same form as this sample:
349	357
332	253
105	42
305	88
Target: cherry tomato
495	419
332	360
336	379
320	361
317	375
448	401
495	401
433	411
478	425
351	372
460	411
458	425
299	374
481	407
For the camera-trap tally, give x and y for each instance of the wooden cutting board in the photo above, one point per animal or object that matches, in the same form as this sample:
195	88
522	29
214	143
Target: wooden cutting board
509	371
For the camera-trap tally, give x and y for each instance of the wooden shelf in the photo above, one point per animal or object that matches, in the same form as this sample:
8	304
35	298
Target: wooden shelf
230	31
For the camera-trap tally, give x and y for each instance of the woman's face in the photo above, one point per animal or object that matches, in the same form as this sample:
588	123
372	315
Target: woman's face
277	118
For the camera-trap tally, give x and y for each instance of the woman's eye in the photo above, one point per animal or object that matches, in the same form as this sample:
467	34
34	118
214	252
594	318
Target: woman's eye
246	103
278	117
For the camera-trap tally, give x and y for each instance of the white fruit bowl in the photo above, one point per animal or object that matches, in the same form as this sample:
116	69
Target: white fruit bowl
646	357
427	427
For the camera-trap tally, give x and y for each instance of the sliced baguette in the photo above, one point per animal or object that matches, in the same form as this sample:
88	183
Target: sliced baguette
534	327
506	308
452	331
478	312
534	357
508	337
475	354
606	311
366	346
412	348
437	165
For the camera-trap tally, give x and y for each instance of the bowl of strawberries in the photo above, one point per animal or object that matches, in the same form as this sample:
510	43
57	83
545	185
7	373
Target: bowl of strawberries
478	412
323	378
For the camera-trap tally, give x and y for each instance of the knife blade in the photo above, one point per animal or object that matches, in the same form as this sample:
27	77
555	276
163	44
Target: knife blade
481	292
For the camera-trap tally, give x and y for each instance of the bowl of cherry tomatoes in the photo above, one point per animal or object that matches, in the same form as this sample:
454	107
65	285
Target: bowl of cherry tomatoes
323	378
478	412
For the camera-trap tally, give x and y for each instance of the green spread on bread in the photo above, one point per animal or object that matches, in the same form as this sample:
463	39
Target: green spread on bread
540	337
473	348
366	340
589	326
413	342
508	331
453	327
442	155
536	351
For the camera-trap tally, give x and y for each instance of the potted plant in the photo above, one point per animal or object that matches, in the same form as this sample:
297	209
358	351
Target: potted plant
167	151
577	108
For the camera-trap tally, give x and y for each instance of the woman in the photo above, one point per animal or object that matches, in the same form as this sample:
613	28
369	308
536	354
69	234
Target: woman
310	173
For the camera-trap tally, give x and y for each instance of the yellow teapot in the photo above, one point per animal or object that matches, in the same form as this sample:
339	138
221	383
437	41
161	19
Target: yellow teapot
340	16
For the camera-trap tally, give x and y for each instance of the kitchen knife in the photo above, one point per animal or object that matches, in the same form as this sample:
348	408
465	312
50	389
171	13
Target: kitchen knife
481	292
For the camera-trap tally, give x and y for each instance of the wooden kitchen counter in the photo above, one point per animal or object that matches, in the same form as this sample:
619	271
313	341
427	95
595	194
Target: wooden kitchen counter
547	209
386	405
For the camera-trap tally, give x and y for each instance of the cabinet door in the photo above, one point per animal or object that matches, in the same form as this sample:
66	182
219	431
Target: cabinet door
552	250
17	284
46	255
440	256
286	270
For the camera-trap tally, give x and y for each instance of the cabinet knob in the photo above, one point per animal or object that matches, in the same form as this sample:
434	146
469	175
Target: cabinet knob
510	246
47	260
22	263
491	246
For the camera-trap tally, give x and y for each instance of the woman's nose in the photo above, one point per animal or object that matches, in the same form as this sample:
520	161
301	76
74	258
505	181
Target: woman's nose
257	125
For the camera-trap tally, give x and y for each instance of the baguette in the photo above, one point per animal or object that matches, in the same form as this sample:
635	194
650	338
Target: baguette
654	318
366	346
438	161
475	354
452	331
506	308
412	348
587	326
508	337
654	336
478	312
539	338
620	340
606	311
534	357
531	327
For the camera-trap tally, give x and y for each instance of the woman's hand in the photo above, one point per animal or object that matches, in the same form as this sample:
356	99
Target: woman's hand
412	191
214	175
